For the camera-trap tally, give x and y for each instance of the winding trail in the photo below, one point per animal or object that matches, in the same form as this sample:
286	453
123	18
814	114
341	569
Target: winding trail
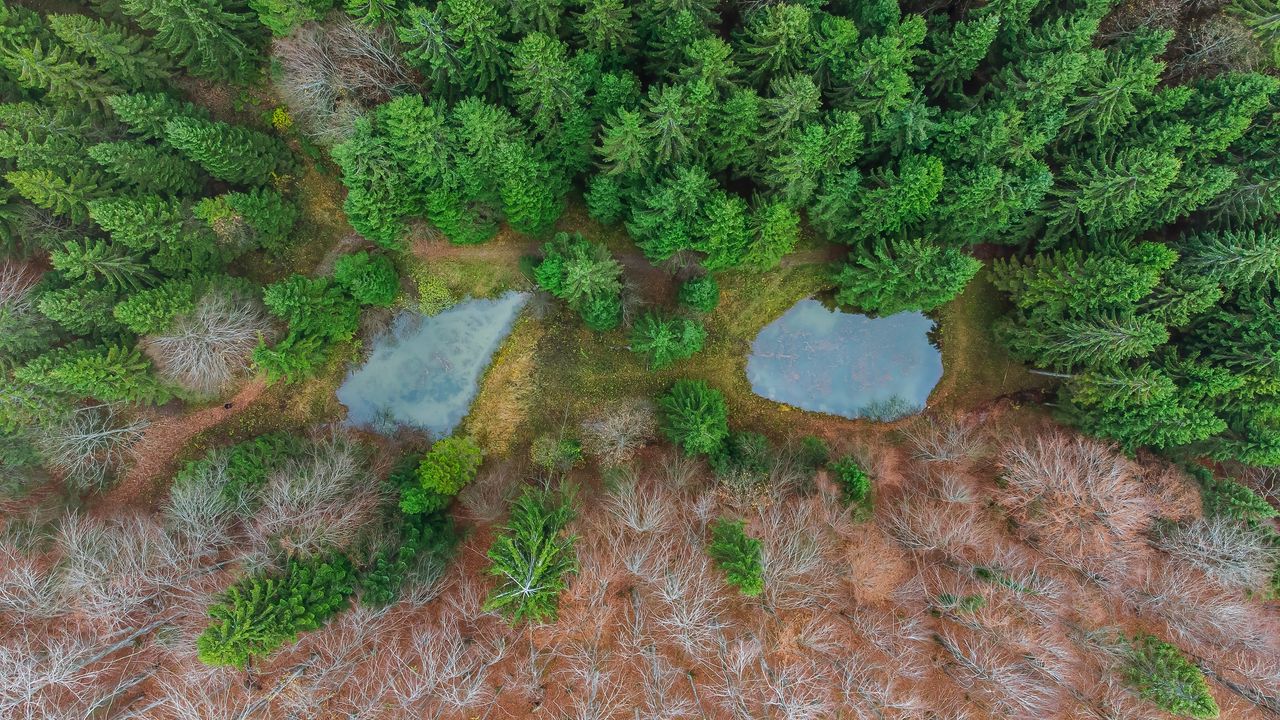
155	454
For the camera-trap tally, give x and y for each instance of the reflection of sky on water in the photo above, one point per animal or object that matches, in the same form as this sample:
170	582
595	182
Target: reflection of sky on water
425	371
845	364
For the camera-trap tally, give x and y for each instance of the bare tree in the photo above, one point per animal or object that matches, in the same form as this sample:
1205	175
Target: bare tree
998	676
1076	498
90	444
691	604
799	690
614	434
1231	554
1199	612
487	497
30	590
589	667
330	74
205	350
319	501
946	440
646	508
794	557
200	510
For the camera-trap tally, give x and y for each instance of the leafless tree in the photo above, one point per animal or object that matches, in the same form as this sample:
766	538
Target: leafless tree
330	74
118	568
205	350
691	606
678	470
873	694
200	510
946	440
614	434
30	588
1231	554
1001	678
446	672
1199	612
319	501
589	668
487	497
1076	498
739	685
794	557
90	444
799	690
646	508
1215	44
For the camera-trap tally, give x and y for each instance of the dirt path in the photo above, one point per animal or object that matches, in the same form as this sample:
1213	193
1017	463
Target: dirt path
157	450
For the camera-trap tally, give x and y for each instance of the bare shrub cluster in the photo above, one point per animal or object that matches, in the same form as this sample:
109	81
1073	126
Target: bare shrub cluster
207	349
616	433
331	73
89	445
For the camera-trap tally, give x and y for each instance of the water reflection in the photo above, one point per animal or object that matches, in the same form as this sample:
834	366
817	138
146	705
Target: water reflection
846	364
425	371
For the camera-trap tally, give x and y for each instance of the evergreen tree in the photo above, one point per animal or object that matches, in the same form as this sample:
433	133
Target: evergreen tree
370	279
146	114
115	50
776	41
152	310
313	306
897	276
475	29
605	27
532	556
244	220
282	16
227	152
694	417
98	262
738	555
449	466
666	340
81	311
68	197
1232	259
110	373
1162	675
957	52
50	68
700	294
147	168
208	37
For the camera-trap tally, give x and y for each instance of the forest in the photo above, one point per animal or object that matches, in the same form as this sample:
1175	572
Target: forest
216	215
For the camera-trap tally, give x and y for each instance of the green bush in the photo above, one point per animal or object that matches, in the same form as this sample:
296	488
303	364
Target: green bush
370	279
262	613
743	461
701	294
532	556
738	555
694	417
584	275
154	309
555	454
422	538
666	340
444	471
434	296
1162	675
244	466
853	481
813	452
1226	497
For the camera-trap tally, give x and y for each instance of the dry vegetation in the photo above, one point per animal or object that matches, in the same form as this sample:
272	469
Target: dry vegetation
996	578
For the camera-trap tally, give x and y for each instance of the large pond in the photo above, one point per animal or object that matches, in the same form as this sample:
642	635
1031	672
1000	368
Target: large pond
845	364
424	372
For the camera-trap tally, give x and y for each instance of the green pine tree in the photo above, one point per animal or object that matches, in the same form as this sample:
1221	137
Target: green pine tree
227	152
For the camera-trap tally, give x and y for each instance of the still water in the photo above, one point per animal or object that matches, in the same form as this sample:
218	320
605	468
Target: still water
424	372
846	364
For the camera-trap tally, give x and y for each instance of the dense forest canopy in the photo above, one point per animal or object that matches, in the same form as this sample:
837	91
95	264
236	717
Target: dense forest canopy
176	183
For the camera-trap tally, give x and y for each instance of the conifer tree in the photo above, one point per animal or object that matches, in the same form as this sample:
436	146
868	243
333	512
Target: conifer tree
147	168
95	261
66	196
208	37
110	373
152	310
776	41
666	340
146	114
901	275
738	555
257	218
532	556
227	152
958	51
115	50
606	28
52	69
81	311
282	16
694	417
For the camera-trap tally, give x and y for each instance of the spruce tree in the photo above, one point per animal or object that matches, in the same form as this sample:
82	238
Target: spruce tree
114	49
66	196
147	168
51	68
532	556
208	37
146	114
227	152
97	262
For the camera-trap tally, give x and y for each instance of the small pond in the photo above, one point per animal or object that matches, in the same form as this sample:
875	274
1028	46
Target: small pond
845	364
424	372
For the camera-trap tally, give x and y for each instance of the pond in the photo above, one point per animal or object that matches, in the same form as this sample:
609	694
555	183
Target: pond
845	364
424	372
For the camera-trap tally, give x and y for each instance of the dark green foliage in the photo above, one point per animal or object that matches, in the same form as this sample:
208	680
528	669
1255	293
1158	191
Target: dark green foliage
442	473
738	555
422	538
701	293
99	263
1162	675
370	279
853	481
66	196
904	275
208	37
243	467
152	310
532	556
813	452
147	168
146	114
80	311
313	306
227	152
1228	498
694	416
264	612
743	461
282	16
584	275
244	220
667	339
111	373
116	51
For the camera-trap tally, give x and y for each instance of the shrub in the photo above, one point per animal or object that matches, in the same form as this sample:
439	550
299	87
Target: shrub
666	340
1226	497
616	432
444	471
584	275
1162	675
370	279
701	294
434	296
532	556
262	613
243	467
555	454
738	555
422	538
813	452
742	462
854	483
694	417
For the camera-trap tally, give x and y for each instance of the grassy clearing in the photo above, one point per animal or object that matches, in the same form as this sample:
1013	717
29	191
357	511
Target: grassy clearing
976	367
